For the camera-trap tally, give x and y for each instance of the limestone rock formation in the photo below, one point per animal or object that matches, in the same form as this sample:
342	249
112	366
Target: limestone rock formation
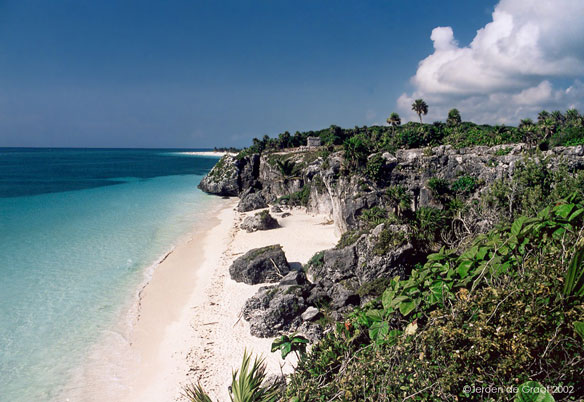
260	265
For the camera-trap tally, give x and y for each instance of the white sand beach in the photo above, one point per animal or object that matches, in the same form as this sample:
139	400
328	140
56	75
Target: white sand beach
188	327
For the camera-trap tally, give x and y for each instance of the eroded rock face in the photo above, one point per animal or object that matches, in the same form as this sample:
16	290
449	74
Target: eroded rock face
339	276
223	179
260	221
283	308
260	265
274	310
231	176
344	277
344	198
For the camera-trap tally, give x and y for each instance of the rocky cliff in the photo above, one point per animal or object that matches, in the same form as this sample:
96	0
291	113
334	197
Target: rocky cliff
372	250
330	188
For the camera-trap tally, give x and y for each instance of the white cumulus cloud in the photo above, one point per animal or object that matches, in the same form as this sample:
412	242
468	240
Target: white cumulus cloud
508	70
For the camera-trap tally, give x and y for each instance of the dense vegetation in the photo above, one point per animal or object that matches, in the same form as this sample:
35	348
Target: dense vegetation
505	310
495	309
550	129
494	306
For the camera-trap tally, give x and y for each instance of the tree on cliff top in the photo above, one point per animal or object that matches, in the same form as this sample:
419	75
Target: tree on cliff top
420	107
454	118
394	120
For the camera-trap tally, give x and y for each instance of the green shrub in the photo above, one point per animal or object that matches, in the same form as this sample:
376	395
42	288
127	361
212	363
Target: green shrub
349	237
317	260
503	151
428	224
388	240
494	315
374	169
440	188
374	215
464	185
533	187
300	197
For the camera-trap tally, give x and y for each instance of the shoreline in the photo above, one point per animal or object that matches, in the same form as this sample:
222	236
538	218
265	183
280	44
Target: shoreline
162	333
185	322
222	334
147	338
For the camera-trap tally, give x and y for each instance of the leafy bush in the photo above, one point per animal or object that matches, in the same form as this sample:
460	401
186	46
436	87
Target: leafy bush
286	167
298	198
464	185
349	237
532	187
569	136
440	187
496	314
290	343
503	151
317	260
375	168
428	224
388	240
374	215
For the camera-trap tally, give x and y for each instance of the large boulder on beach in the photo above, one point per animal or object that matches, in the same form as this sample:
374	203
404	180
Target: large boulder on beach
251	201
260	221
260	265
283	308
275	309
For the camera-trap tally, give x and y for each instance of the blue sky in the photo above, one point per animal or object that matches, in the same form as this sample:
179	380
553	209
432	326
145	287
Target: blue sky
205	73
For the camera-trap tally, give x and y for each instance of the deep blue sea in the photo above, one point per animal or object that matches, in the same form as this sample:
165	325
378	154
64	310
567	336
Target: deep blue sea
78	228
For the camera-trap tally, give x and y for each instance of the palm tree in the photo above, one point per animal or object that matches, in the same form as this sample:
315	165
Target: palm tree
420	107
548	127
529	132
558	117
394	121
454	118
573	118
542	116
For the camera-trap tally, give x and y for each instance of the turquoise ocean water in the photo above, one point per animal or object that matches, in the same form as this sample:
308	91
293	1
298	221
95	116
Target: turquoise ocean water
78	228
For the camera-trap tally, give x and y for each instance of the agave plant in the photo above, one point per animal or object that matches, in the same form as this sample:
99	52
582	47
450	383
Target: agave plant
246	384
574	282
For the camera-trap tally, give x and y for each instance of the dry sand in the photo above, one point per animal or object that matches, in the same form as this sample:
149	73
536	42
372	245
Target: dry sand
221	335
187	325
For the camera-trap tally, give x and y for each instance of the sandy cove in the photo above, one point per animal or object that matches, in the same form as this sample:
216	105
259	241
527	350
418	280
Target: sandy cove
189	327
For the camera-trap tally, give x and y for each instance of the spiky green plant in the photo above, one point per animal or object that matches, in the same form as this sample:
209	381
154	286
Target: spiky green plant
196	393
574	283
246	384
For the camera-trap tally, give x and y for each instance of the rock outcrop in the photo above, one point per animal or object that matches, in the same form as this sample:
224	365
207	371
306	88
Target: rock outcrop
282	308
260	265
346	276
251	201
231	175
259	221
345	197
